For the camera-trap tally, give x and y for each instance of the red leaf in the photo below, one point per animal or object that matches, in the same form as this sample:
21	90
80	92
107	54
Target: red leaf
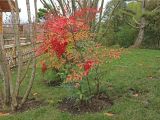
87	66
44	67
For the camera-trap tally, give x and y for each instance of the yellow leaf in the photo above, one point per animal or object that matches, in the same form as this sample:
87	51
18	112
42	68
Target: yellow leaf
109	114
34	94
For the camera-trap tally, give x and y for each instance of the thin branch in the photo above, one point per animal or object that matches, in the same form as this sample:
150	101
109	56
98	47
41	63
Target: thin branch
48	7
26	71
100	16
116	6
132	25
156	9
80	5
62	7
33	54
54	7
136	21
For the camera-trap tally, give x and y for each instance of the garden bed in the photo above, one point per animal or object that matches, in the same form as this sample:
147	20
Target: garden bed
96	104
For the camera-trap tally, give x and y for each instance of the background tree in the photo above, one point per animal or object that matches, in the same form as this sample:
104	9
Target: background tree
152	31
124	23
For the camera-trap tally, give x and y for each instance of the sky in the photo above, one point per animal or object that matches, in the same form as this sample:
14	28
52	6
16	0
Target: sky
22	6
23	13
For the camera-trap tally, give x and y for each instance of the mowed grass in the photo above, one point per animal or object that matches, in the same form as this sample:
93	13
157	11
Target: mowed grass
133	82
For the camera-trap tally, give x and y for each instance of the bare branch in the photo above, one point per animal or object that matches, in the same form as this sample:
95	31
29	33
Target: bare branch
132	25
32	37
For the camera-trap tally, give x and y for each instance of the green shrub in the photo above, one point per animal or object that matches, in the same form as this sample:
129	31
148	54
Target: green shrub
126	36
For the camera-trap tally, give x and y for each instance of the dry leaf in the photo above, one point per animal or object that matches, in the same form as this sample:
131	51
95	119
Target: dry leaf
150	77
34	94
109	114
3	114
136	95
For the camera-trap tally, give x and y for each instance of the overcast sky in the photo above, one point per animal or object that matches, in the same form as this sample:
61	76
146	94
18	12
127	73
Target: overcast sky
22	6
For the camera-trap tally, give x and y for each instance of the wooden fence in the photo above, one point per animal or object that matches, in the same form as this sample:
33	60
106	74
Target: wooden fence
9	42
11	53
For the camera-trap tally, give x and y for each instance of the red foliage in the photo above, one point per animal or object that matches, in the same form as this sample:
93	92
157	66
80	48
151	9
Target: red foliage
59	47
44	67
87	66
114	54
59	31
57	28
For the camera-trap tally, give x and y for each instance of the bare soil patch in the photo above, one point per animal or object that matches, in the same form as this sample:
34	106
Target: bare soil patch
96	104
28	105
53	83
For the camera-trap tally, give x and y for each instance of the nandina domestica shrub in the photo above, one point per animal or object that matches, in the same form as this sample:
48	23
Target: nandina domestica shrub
67	41
61	35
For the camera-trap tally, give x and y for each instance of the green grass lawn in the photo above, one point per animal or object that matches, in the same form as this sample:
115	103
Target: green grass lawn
137	70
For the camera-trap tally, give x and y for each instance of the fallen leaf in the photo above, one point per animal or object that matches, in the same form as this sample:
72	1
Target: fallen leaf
136	95
34	94
109	114
3	114
150	77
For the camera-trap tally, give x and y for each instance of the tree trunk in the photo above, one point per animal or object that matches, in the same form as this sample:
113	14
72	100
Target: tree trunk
5	73
16	22
32	38
140	37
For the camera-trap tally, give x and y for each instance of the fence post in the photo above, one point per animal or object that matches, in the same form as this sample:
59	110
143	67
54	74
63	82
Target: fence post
1	29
